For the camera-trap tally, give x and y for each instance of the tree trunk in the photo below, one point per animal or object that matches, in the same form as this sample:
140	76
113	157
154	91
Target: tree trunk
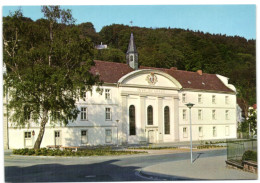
38	142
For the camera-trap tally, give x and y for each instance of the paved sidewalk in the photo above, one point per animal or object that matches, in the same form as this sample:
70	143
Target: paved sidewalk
212	168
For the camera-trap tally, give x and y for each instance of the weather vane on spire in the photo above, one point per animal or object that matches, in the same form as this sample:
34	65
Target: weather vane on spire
131	22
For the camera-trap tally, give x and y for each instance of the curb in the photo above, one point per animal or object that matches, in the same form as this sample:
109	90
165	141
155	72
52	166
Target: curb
162	177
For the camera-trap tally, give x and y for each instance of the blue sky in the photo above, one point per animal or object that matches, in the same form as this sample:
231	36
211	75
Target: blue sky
225	19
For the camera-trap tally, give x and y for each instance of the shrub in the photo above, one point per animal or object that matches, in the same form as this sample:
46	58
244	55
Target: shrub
31	152
250	155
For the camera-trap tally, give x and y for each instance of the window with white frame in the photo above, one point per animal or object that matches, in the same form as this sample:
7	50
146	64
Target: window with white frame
185	134
183	98
27	135
184	114
108	113
107	94
83	113
200	98
227	130
213	99
214	131
200	131
227	114
199	114
108	136
226	99
213	114
84	136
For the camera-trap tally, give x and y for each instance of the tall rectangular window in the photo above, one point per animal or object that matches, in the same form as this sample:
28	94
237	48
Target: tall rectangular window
108	114
150	115
200	131
183	98
84	136
184	114
132	130
227	130
108	136
83	113
214	131
227	114
166	120
213	99
213	114
200	98
199	114
107	94
185	134
226	99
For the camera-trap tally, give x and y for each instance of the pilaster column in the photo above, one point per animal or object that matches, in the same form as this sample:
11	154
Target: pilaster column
176	118
123	124
142	118
160	119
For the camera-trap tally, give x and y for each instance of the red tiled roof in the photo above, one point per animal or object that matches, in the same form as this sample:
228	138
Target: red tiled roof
111	72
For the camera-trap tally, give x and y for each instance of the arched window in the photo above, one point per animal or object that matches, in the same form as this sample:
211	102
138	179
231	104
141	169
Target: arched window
150	115
131	57
166	120
132	120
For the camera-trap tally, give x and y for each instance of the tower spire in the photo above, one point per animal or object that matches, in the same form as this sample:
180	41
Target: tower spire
131	54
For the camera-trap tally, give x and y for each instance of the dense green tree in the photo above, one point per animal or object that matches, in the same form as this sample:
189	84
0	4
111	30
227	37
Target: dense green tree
87	30
47	67
111	54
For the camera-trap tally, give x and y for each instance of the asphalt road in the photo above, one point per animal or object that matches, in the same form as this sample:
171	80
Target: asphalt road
87	169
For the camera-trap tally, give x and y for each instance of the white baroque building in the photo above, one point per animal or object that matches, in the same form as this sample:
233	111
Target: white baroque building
142	105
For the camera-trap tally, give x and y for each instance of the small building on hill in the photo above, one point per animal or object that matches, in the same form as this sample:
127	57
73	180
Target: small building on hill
143	105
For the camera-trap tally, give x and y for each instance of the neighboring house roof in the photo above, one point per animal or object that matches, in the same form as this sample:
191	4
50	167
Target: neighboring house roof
254	106
111	72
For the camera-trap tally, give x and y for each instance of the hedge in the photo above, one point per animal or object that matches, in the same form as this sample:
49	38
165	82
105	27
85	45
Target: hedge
250	155
85	152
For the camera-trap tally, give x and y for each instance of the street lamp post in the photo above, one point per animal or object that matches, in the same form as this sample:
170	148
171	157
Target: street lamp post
190	105
117	132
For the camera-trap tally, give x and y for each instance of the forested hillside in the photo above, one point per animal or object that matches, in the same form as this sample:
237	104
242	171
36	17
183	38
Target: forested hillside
233	57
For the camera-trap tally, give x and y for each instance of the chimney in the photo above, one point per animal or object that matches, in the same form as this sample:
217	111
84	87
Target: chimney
173	68
199	72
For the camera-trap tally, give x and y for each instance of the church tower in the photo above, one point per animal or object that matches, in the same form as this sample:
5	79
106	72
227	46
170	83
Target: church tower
131	54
